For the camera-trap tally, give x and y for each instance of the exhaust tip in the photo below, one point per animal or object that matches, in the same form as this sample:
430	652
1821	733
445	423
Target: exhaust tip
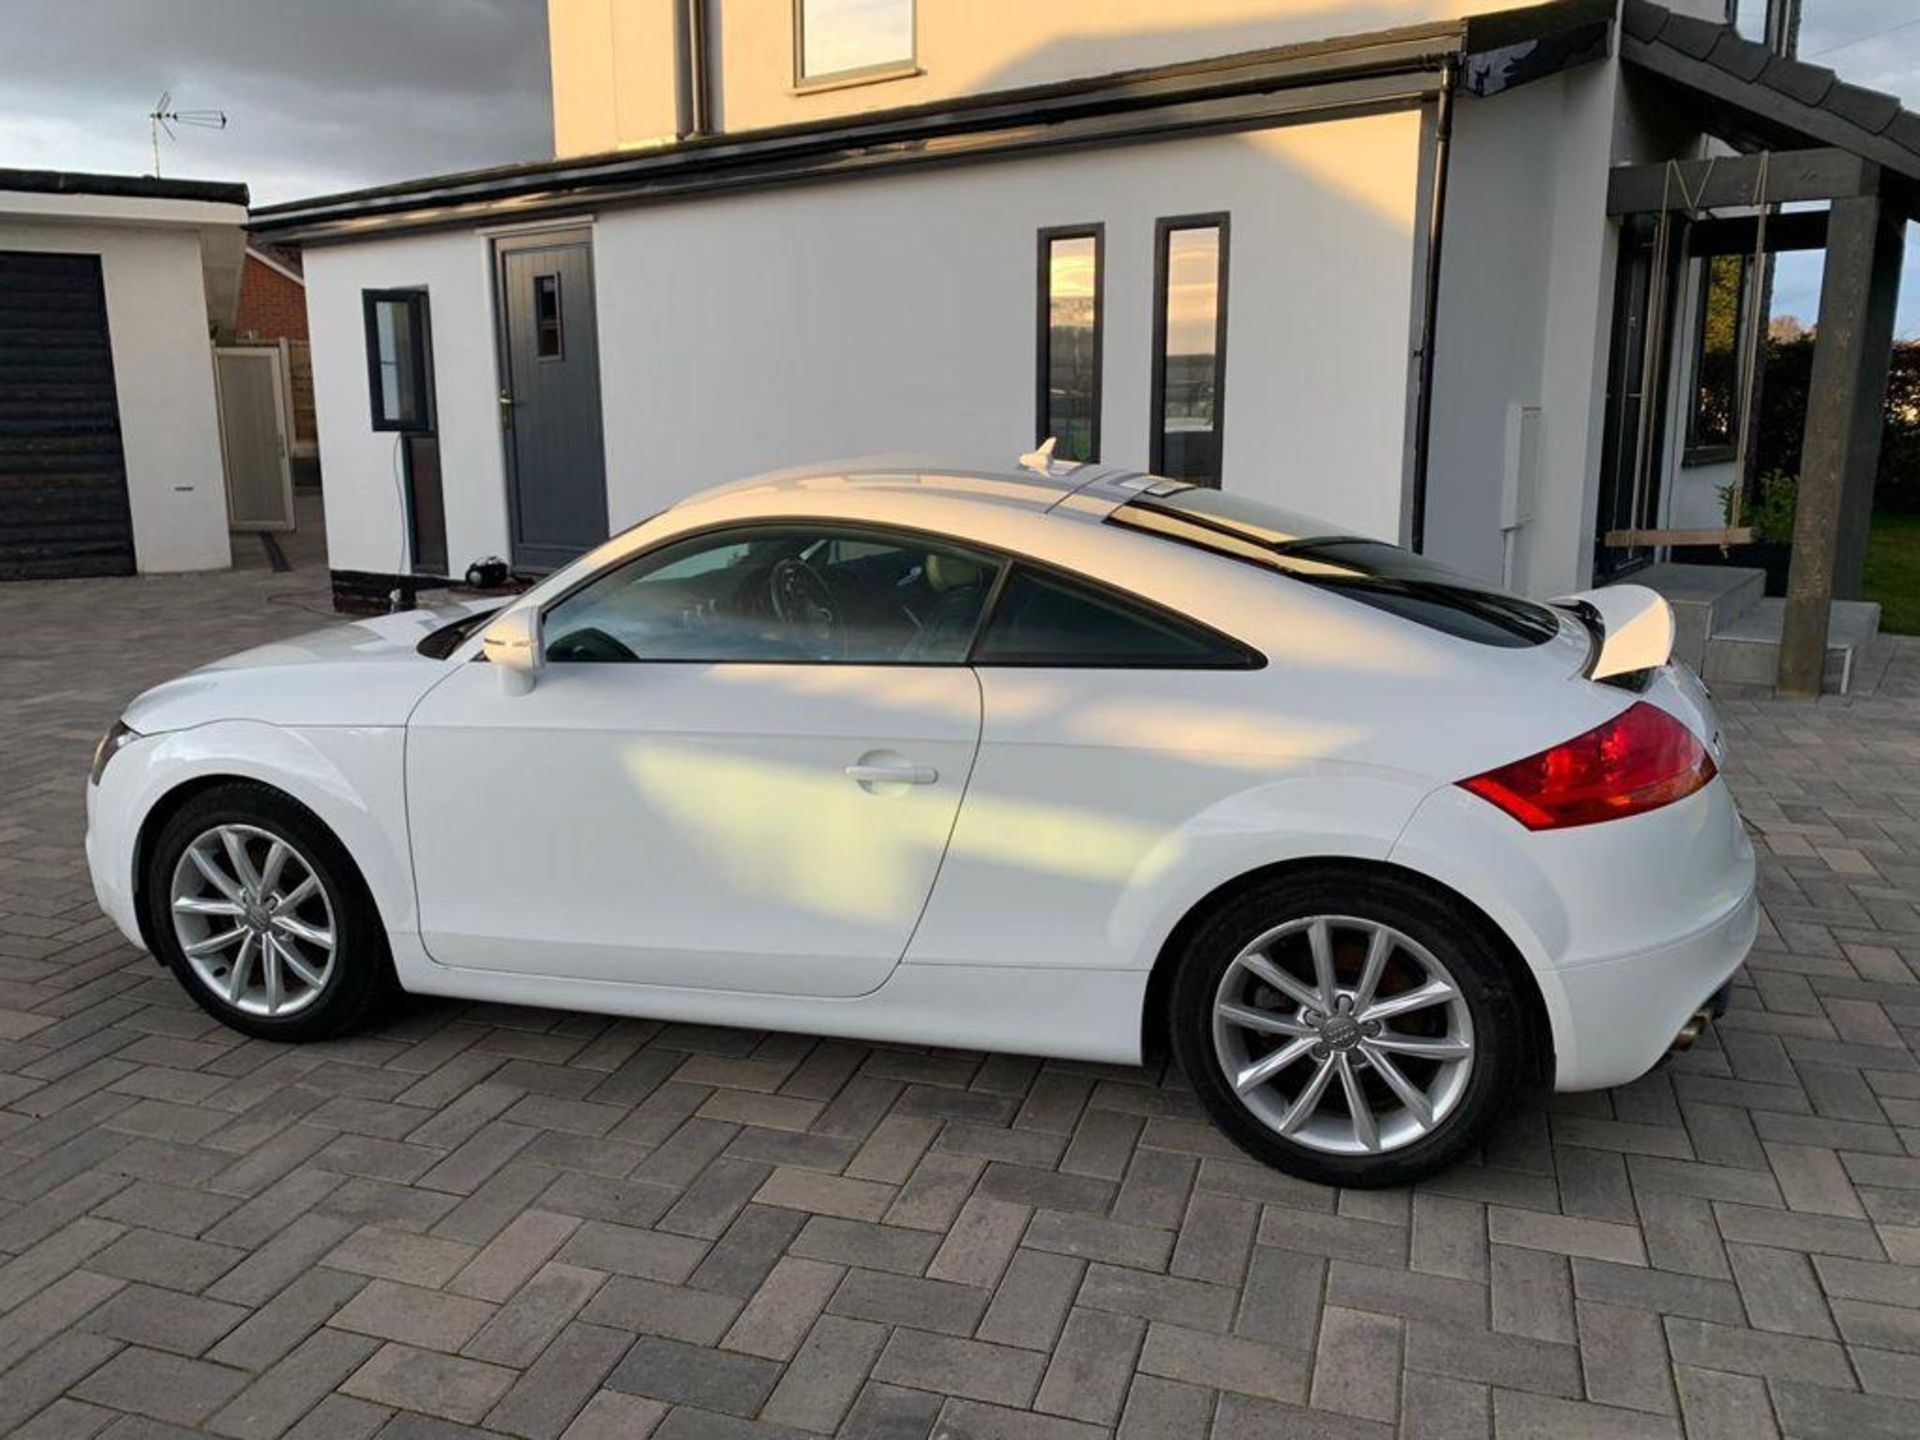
1688	1033
1712	1010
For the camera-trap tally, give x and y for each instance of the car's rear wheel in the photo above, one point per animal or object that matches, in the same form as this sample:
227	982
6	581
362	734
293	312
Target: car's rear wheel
263	917
1350	1027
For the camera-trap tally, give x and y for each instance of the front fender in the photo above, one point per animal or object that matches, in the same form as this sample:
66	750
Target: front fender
349	776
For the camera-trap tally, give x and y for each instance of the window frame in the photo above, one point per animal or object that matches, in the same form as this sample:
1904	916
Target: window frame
1043	337
1163	229
1247	657
1693	450
415	298
805	84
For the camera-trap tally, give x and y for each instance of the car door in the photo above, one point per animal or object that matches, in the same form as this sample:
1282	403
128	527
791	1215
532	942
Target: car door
1110	725
738	769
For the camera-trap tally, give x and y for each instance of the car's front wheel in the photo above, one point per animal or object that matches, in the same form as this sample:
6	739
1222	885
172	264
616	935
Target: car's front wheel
260	913
1350	1027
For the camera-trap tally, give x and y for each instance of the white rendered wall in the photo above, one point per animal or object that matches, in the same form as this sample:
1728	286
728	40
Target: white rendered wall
163	378
366	525
1495	263
1526	315
897	314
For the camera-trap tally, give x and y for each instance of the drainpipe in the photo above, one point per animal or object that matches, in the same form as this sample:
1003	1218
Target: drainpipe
1430	304
693	43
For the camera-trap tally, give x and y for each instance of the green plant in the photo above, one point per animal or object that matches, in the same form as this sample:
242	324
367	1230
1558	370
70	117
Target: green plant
1770	513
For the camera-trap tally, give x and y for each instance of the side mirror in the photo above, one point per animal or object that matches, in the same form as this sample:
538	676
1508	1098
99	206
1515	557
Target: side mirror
513	645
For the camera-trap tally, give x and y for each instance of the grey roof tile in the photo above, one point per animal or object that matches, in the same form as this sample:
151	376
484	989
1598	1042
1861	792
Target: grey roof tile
1690	36
1798	80
1871	110
1739	57
1644	20
1778	84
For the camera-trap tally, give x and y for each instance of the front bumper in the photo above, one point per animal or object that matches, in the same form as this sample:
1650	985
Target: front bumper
111	833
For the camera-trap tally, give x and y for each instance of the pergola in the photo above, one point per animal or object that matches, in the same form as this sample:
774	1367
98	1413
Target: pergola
1801	134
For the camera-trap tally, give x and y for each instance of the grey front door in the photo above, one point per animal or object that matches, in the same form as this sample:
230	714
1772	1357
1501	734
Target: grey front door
550	398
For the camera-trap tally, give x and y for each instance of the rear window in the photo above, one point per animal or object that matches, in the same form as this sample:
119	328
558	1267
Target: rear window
1369	571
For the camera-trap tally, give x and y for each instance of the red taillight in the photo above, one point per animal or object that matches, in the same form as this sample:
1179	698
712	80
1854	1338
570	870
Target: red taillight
1641	759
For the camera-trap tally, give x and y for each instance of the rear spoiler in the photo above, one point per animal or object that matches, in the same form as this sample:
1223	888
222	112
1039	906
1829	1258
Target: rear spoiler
1632	628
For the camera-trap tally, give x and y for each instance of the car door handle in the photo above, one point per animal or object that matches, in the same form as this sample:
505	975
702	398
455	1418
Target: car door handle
893	774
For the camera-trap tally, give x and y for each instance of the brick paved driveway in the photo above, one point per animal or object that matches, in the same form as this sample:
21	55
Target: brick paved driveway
547	1224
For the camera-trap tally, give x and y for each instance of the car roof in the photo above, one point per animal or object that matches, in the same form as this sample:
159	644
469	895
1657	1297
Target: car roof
1037	485
1092	489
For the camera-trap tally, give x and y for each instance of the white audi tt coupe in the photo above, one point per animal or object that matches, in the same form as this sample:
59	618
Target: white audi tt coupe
1067	760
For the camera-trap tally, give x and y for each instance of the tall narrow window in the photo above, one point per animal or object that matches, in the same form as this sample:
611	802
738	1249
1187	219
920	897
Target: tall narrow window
398	378
1068	403
851	39
400	388
1713	416
1189	347
546	317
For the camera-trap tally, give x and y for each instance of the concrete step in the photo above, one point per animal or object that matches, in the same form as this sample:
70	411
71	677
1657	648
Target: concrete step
1706	599
1746	649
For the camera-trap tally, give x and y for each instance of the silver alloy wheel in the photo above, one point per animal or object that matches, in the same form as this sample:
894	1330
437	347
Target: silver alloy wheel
1343	1035
253	920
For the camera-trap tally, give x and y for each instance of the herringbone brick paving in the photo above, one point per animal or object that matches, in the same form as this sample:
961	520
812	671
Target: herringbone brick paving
542	1224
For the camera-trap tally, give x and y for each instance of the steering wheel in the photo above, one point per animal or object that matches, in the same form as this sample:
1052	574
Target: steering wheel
804	602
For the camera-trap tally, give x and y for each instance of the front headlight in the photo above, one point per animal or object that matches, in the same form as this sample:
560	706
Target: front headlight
120	734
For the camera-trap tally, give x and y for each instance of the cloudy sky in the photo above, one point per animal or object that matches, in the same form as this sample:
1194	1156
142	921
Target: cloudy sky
328	95
321	95
1875	43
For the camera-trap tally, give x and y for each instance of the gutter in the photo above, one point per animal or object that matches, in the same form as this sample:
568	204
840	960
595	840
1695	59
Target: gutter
695	57
1430	308
1389	70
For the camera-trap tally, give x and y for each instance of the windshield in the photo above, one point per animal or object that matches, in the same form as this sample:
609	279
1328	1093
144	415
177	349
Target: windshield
1371	572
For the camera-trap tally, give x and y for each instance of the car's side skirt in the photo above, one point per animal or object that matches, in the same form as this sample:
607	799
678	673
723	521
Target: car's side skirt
1070	1013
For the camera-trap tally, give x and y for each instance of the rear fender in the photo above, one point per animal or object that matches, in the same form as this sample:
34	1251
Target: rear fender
1355	815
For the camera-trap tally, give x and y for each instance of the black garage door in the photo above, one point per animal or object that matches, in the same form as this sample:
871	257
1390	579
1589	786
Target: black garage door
63	481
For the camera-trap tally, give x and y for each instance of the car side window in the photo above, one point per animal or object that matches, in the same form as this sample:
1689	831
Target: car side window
1048	619
793	594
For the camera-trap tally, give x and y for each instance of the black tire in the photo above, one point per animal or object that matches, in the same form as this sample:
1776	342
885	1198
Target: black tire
360	980
1504	1046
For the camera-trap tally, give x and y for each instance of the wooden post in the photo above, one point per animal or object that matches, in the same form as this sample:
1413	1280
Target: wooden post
1846	404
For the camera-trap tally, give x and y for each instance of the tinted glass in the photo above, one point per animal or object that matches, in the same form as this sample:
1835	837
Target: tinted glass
841	35
546	317
1369	571
1190	360
1414	588
398	348
1714	420
1072	347
1046	620
790	594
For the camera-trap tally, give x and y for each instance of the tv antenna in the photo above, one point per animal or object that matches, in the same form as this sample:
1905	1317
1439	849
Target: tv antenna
164	116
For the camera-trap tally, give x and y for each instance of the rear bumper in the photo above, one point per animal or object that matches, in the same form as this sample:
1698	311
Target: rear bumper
1623	1014
1627	927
